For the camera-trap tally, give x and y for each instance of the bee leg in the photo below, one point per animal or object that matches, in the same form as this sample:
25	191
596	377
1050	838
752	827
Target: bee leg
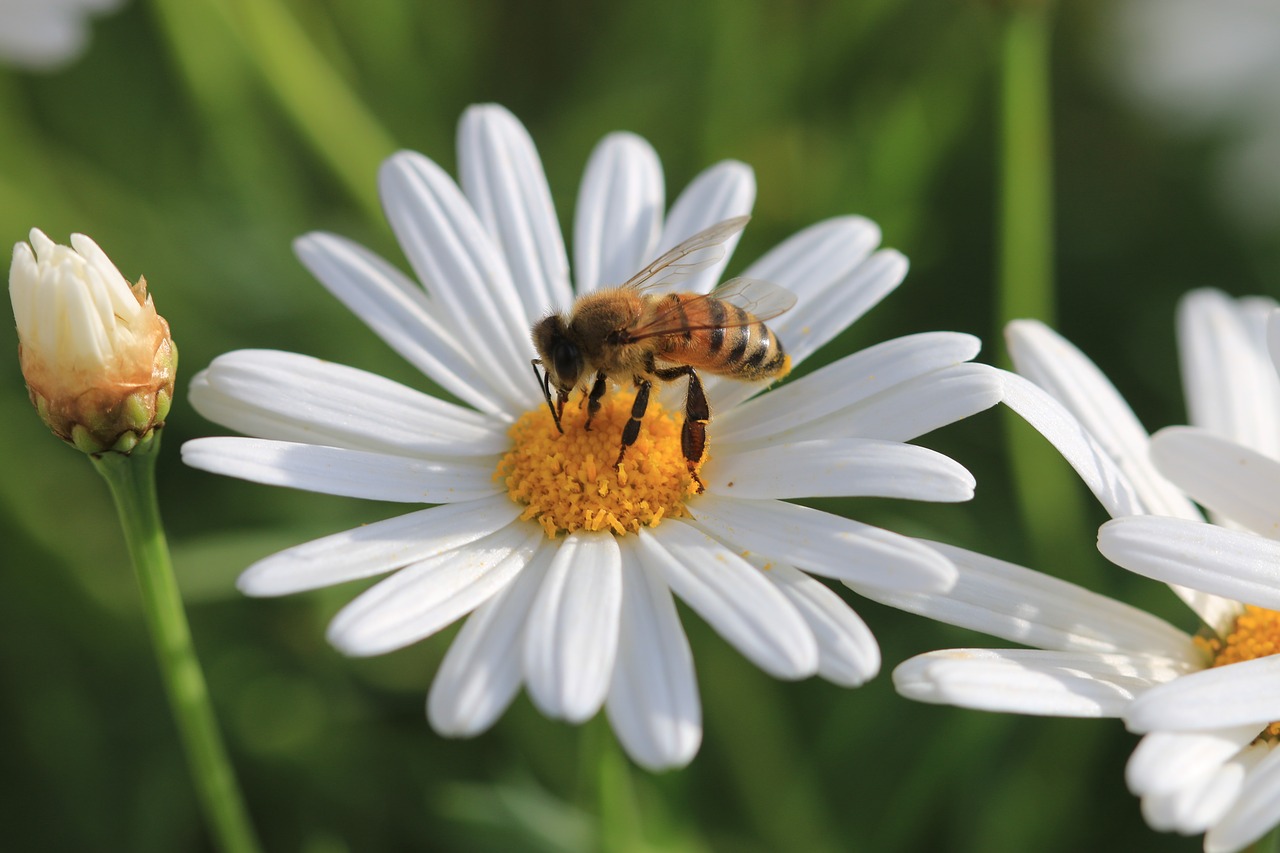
593	399
631	431
693	435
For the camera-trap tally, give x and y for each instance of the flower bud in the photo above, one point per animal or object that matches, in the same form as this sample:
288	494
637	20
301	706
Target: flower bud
98	359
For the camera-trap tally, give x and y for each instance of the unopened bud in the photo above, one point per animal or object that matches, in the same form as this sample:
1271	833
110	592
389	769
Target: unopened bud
98	359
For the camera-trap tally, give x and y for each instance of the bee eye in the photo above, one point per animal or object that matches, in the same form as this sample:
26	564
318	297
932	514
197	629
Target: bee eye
567	362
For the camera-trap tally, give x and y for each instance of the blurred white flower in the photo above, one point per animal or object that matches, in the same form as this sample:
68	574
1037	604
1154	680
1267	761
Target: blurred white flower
1209	705
44	35
1210	68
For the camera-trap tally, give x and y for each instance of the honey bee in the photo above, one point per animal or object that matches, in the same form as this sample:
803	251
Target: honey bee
631	332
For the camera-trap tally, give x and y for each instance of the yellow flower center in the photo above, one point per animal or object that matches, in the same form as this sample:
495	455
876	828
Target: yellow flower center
568	482
1255	634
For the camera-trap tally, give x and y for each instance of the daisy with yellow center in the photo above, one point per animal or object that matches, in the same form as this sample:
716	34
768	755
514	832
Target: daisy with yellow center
567	566
1207	704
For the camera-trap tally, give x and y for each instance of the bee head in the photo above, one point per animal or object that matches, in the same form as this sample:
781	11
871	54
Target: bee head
562	360
560	356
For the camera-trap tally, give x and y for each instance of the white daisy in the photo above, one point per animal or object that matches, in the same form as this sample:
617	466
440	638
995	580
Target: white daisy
1206	763
569	566
46	34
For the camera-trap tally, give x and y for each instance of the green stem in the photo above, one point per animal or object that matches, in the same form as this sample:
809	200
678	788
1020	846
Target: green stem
1048	494
132	482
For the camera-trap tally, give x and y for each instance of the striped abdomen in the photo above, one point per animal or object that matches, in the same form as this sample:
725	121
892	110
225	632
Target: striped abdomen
720	337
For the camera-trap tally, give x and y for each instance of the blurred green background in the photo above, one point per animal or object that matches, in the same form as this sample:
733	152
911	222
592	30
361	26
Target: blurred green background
197	138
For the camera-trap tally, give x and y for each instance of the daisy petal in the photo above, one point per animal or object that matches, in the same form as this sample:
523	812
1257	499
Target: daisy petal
1109	484
281	395
1035	609
1218	338
1030	681
397	311
571	639
1199	804
1167	761
853	467
816	321
730	594
847	382
653	698
1256	810
461	268
480	674
502	175
825	544
819	257
1054	364
720	192
1246	693
1222	475
1273	338
911	409
840	305
422	598
372	549
847	650
338	471
619	212
1230	563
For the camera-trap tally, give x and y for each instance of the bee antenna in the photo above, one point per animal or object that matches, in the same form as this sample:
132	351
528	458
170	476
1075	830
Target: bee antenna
544	382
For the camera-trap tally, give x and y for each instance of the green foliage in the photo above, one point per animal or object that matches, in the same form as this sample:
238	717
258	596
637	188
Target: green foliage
198	138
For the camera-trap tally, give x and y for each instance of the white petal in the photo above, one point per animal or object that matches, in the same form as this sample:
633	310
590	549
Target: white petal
1235	695
619	212
836	467
720	192
281	395
818	258
824	544
1230	563
910	409
480	674
730	594
847	382
653	699
1273	339
1256	811
422	598
502	175
1199	804
847	650
804	330
399	312
1167	761
461	268
372	549
819	265
1035	609
1222	475
337	471
1029	681
1109	484
571	639
1229	381
1054	364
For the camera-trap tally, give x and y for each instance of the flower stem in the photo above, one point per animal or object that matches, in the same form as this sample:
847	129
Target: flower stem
132	482
1048	493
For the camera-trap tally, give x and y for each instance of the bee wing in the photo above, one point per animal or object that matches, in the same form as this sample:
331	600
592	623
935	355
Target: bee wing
762	300
697	253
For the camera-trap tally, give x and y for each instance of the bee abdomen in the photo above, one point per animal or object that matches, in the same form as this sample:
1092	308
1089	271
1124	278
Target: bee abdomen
746	348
